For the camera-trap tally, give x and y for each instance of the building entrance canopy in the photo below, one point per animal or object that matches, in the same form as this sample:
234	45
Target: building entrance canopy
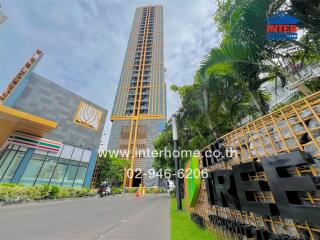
13	120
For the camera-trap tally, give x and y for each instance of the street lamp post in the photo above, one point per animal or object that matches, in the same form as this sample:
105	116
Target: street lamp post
176	160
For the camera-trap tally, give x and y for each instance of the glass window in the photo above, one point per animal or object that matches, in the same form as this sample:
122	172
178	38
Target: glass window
12	167
77	153
23	149
47	170
3	157
81	174
32	170
6	162
15	147
59	172
67	151
70	174
86	156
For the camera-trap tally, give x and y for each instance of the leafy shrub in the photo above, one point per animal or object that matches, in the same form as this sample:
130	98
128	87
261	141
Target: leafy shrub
44	190
81	192
54	193
16	193
10	185
154	190
91	192
64	193
132	190
73	192
173	193
115	190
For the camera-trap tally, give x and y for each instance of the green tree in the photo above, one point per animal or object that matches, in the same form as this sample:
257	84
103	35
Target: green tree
227	88
111	169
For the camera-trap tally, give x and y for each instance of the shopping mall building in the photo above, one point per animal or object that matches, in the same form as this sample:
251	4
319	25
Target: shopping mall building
48	135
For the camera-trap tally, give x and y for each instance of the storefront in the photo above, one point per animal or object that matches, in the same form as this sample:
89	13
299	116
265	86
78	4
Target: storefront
27	165
48	135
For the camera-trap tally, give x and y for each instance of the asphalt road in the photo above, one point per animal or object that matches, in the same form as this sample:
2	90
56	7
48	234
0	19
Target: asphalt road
115	217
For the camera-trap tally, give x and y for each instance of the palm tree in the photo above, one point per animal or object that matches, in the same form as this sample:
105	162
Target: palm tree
246	50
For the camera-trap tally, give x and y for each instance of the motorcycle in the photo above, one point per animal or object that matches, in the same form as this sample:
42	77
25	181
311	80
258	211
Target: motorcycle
106	191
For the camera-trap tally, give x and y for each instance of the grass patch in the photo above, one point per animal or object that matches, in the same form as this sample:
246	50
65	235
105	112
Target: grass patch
183	228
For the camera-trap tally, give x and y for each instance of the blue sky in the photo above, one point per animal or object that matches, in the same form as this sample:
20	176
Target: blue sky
84	42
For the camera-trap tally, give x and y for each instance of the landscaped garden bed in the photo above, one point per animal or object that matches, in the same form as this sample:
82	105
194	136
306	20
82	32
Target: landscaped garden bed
19	193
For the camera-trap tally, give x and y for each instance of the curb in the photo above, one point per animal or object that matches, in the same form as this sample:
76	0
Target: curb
7	204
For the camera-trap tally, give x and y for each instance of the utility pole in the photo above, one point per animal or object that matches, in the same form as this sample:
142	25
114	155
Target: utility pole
176	160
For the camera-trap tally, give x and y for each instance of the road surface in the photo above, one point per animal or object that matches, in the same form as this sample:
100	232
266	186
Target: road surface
118	217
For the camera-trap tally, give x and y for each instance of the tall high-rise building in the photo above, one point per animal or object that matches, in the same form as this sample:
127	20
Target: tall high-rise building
139	112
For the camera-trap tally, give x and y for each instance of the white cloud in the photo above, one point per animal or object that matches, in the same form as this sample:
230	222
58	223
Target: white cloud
85	42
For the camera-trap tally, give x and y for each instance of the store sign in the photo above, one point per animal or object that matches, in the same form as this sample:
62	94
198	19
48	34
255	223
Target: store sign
26	140
21	74
88	116
233	188
282	27
193	181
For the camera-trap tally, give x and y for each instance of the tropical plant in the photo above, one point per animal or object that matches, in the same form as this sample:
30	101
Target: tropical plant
111	169
228	86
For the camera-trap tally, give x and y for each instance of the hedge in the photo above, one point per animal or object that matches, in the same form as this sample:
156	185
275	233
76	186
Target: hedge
148	190
16	192
115	190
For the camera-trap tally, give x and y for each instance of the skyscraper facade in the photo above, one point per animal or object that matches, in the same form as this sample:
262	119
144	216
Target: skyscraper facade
139	112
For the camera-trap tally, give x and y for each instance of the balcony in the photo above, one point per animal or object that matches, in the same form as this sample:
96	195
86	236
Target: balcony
144	106
130	99
129	108
304	74
144	111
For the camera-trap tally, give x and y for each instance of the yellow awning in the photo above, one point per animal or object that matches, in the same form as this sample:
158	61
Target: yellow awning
15	120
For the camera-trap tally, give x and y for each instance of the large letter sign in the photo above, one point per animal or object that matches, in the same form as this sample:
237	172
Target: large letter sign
235	190
246	189
286	187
